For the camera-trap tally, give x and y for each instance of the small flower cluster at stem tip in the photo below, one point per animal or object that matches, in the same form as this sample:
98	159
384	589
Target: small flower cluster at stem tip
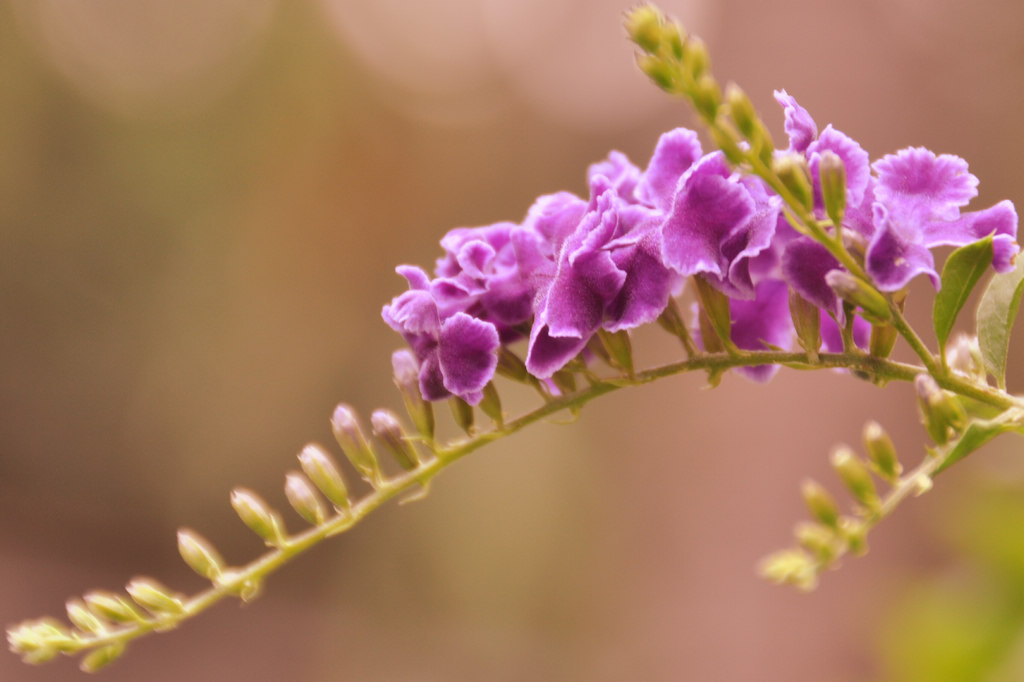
821	268
812	245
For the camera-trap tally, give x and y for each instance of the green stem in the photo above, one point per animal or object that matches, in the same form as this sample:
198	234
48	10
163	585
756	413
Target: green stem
294	545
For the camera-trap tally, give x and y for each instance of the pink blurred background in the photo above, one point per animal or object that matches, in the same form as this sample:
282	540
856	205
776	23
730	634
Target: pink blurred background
201	206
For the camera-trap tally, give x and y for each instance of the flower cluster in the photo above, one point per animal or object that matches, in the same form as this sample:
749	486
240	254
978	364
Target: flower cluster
612	261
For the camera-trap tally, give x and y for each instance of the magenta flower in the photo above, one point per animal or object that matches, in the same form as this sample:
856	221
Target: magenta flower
917	207
456	351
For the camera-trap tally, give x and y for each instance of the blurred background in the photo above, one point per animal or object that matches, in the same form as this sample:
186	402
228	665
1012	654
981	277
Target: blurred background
201	206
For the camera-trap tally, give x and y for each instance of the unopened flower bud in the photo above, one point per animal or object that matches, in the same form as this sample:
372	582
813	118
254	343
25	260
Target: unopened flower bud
303	498
260	518
156	598
353	444
644	26
859	293
323	472
883	339
818	539
98	658
707	96
855	532
462	413
715	306
112	607
807	322
941	412
696	60
820	503
794	175
658	71
855	475
793	567
199	554
881	452
832	174
407	379
618	347
728	145
387	428
742	111
512	366
84	619
491	404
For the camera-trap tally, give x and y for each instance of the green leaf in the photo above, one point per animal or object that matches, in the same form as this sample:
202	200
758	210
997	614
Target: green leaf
996	312
960	274
977	433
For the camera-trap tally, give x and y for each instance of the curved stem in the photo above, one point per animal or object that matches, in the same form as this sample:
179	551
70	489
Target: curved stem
239	580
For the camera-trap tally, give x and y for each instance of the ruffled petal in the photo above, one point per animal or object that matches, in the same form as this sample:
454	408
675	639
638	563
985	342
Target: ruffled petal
467	355
799	125
707	207
677	150
916	181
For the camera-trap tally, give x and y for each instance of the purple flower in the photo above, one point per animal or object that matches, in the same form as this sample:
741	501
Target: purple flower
457	352
608	274
717	224
917	207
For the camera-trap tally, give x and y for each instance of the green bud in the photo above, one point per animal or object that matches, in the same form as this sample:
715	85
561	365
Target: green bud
881	452
112	607
644	26
98	658
303	498
818	539
715	306
820	503
462	413
696	60
662	73
199	554
832	174
793	567
792	171
407	379
84	619
565	380
742	111
619	348
859	293
707	96
353	444
389	431
672	321
941	412
807	322
154	597
491	404
883	340
724	141
323	472
41	640
855	475
512	366
260	518
855	532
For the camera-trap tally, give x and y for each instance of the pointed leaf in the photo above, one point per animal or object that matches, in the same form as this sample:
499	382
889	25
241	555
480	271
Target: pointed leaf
960	274
977	433
996	312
